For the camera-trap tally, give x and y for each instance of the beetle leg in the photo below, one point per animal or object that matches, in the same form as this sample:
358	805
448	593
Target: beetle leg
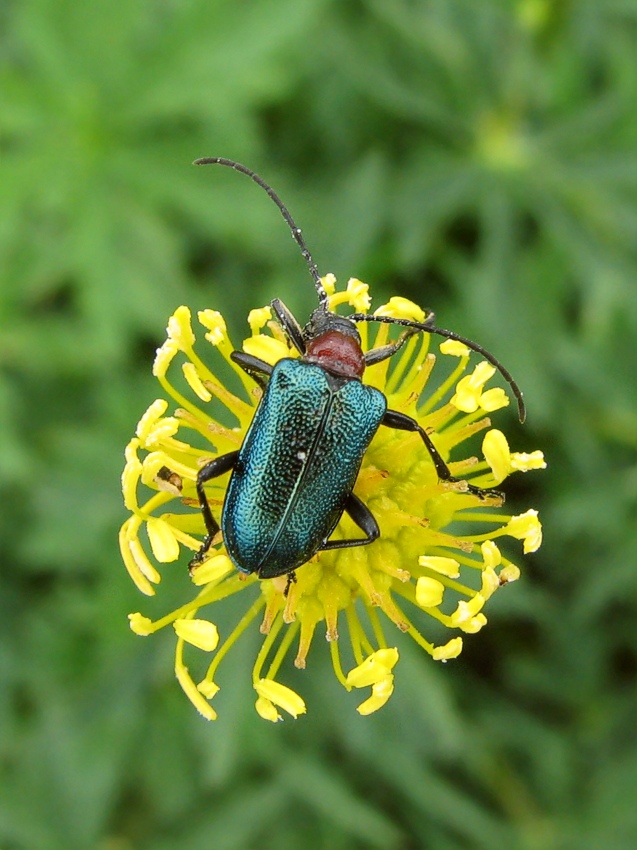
364	519
375	355
255	367
211	470
291	580
394	419
289	325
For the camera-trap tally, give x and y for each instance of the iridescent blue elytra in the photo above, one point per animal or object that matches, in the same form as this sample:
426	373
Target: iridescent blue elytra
297	466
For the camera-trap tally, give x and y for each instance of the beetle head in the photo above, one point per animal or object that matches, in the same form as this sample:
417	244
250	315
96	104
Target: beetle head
323	321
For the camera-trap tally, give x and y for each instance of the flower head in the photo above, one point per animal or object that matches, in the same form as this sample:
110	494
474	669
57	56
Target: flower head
436	561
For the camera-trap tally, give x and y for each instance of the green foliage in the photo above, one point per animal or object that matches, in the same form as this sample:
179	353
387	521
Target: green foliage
479	157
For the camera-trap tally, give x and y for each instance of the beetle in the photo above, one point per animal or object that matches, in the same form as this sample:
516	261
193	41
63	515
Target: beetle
294	475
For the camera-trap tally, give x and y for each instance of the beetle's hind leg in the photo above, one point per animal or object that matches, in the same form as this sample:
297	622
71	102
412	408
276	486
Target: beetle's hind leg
402	422
214	469
364	519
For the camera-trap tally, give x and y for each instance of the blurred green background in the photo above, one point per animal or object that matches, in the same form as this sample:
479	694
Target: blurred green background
478	156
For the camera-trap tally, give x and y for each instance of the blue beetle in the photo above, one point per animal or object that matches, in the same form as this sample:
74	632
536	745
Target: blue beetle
293	477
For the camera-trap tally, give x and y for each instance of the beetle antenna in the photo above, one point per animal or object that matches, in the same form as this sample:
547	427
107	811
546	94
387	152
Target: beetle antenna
296	231
474	346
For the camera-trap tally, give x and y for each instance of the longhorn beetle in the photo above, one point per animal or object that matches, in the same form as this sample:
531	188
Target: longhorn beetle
293	477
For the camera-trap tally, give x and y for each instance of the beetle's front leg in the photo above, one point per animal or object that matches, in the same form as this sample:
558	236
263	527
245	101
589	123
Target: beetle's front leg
214	469
289	324
383	352
258	369
402	422
376	355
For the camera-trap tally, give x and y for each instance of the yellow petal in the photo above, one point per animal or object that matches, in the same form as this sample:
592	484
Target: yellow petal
494	399
358	293
194	381
180	329
524	462
381	692
164	356
130	475
490	582
329	283
474	624
161	431
155	461
401	308
200	633
446	566
466	397
266	348
509	573
190	689
285	698
454	348
208	689
526	527
451	649
469	388
496	452
374	668
141	559
482	373
125	546
215	323
266	710
429	592
258	319
491	555
162	540
466	610
153	414
213	569
141	625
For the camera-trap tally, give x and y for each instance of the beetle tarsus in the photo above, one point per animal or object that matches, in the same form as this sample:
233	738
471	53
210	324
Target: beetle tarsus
482	493
291	580
198	559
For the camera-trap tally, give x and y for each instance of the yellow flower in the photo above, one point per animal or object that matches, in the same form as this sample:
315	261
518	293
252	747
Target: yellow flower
419	571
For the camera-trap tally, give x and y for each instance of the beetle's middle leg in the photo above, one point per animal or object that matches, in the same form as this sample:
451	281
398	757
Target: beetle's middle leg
214	469
364	519
402	422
